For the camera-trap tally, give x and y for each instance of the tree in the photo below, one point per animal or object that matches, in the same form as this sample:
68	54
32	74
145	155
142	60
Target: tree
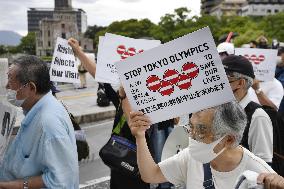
130	28
28	44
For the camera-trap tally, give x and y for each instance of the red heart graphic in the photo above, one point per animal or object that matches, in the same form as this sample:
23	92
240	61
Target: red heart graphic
184	81
121	49
153	83
190	69
166	88
254	59
171	76
132	51
125	55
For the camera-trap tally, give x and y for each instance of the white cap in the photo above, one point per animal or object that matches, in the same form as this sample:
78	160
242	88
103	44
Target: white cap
226	47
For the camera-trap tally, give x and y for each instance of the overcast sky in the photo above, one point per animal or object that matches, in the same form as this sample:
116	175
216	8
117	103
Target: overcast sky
13	13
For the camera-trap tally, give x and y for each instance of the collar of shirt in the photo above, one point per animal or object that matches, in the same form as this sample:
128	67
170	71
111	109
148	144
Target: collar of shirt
244	102
30	114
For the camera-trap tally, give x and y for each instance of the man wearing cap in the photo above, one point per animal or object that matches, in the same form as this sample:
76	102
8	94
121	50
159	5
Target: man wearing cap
258	134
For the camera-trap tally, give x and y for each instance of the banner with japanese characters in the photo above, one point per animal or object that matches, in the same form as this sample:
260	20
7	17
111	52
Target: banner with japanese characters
180	77
3	76
64	65
113	48
7	121
263	61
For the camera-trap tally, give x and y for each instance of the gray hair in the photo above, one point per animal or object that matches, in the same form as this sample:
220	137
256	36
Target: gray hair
33	69
229	118
249	80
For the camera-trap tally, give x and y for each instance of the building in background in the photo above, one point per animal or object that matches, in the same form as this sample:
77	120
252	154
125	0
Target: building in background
207	5
241	7
64	22
262	7
228	8
37	14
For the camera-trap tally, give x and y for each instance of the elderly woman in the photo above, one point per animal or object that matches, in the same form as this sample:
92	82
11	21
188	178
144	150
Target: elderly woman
213	158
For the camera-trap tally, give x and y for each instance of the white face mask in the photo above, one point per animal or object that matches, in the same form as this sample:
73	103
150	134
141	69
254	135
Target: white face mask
203	152
12	97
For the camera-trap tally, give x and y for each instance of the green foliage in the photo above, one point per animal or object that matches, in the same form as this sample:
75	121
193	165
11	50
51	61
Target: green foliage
177	24
28	44
130	28
8	49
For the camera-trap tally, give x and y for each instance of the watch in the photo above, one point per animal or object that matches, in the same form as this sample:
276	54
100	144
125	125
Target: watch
26	184
258	91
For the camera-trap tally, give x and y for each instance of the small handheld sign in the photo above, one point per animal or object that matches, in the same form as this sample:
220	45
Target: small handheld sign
113	48
263	61
182	76
64	65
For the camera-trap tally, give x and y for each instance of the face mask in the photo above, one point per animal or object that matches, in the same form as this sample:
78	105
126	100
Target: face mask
203	152
11	97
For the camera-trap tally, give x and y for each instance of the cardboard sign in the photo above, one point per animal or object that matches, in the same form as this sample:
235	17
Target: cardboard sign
100	67
263	61
3	76
182	76
7	121
113	48
64	65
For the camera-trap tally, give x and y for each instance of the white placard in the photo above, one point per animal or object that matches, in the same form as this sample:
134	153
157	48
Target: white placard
7	121
182	76
3	76
64	65
263	61
113	48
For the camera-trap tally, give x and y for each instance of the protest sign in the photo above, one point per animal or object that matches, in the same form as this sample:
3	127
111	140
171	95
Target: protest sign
180	77
64	65
114	48
3	76
7	121
263	61
100	67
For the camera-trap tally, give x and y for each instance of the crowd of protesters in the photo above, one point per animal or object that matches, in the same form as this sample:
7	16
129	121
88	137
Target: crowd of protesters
224	141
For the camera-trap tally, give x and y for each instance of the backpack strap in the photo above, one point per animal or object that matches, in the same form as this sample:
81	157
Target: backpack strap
249	109
119	125
208	180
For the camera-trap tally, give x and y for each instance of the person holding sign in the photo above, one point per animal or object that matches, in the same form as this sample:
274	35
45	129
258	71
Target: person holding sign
258	135
120	125
43	154
213	158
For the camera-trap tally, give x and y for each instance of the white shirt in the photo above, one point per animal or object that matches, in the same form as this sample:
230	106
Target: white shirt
260	136
183	169
272	89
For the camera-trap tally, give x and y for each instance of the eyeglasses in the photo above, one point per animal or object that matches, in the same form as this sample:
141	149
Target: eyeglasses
235	79
199	132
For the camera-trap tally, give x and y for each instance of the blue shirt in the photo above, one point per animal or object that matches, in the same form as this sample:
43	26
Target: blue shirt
45	145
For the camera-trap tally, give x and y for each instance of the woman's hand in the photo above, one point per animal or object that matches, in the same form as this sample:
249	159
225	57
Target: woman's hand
138	124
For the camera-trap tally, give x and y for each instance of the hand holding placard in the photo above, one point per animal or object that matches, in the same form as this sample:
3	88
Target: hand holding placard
64	64
182	76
